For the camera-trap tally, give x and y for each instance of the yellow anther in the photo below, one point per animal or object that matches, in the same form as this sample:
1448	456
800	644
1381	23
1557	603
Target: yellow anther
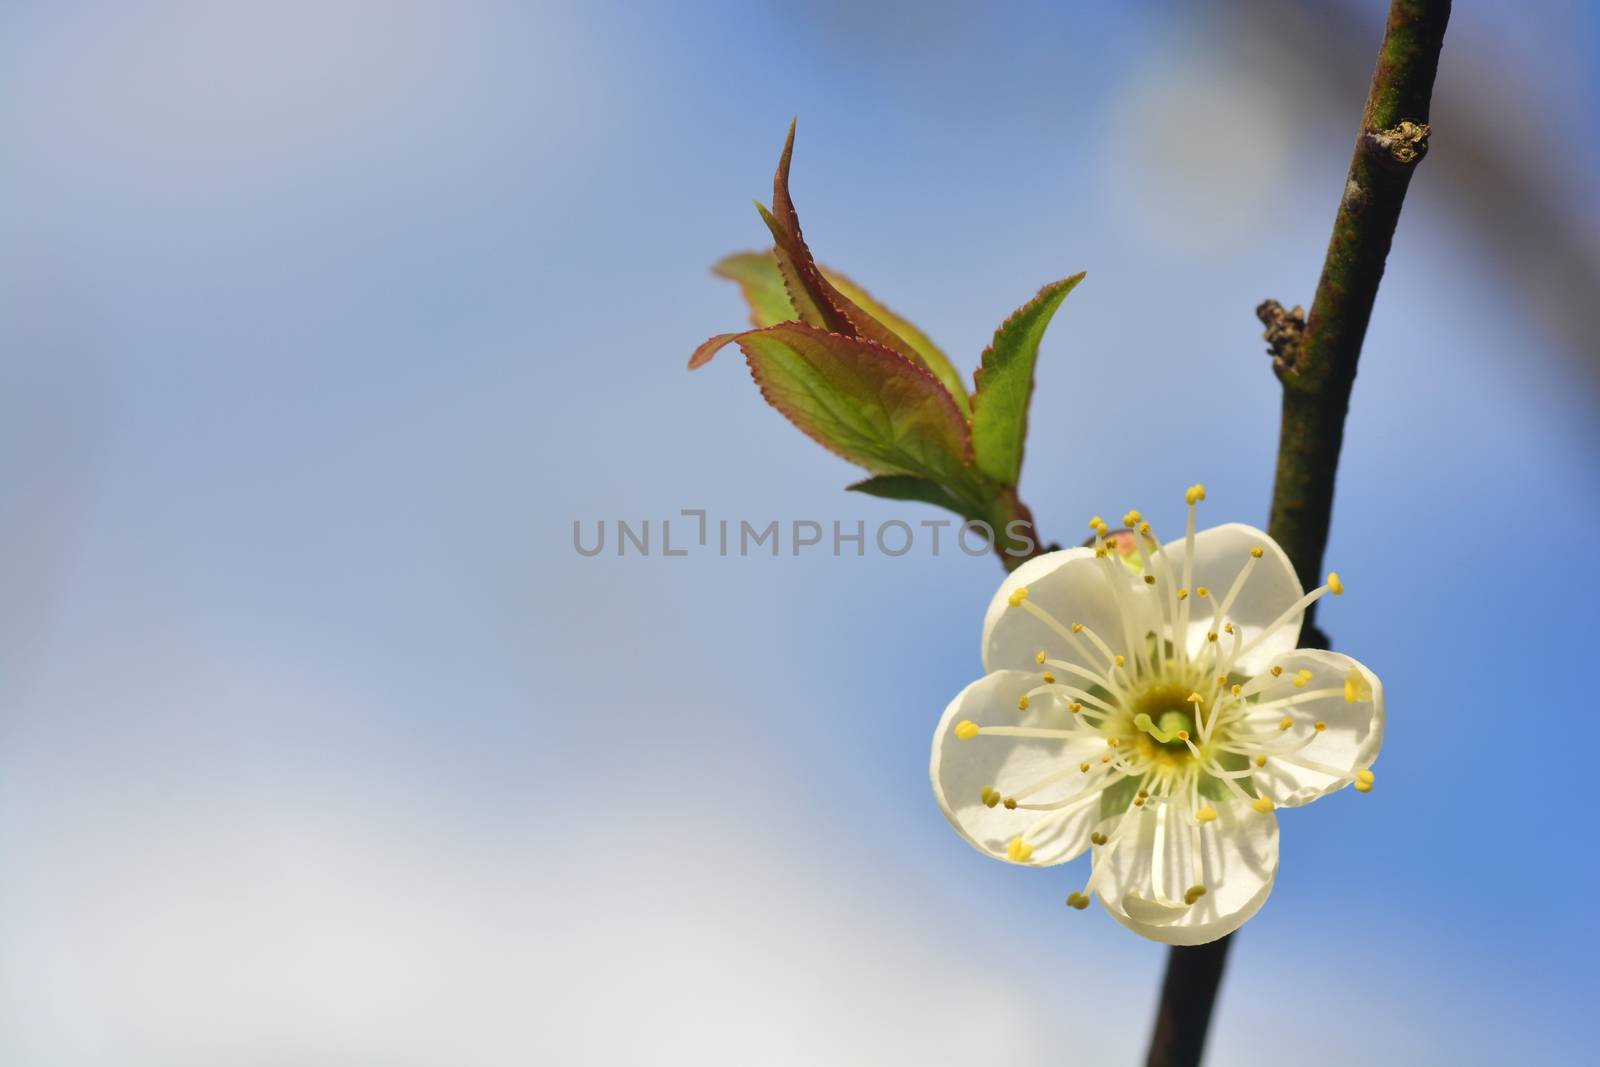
1011	803
1077	627
1194	494
1212	636
1138	802
1100	552
1261	761
1119	660
1235	689
1257	552
1143	794
1363	787
1193	893
1074	707
1302	679
1039	657
1277	671
1098	525
1182	735
1183	594
1262	804
1049	679
1227	627
1149	579
1131	519
966	729
1335	583
1017	851
1221	681
1022	702
990	797
1364	776
1078	901
1106	758
1144	528
1286	723
1018	595
1098	838
1319	726
1201	590
1356	687
1084	766
1206	814
1113	742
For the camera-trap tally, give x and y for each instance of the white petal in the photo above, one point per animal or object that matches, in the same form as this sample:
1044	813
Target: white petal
1349	744
1241	848
1220	553
960	769
1072	586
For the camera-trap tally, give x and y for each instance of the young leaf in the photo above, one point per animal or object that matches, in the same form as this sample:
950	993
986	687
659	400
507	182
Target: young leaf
870	405
906	487
761	281
1005	385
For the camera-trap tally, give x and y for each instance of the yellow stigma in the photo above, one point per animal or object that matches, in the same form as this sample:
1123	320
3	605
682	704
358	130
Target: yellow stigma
1182	735
1018	595
1193	893
1078	901
1302	679
1039	657
1286	723
1262	804
1194	494
1049	679
1206	814
990	797
1335	583
1257	552
966	729
1022	702
1098	838
1017	851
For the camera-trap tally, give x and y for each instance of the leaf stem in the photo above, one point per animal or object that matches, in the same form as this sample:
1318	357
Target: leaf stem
1317	366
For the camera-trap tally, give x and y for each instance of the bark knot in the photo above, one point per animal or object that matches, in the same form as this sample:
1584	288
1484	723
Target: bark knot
1284	327
1403	144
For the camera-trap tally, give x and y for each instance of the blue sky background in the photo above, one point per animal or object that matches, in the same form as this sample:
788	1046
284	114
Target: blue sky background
323	323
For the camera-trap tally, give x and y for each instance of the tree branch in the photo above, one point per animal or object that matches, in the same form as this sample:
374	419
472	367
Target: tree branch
1317	366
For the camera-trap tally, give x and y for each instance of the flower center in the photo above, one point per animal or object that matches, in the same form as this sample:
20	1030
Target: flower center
1162	713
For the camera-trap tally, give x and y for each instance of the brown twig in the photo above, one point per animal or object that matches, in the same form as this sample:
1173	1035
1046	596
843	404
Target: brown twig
1317	366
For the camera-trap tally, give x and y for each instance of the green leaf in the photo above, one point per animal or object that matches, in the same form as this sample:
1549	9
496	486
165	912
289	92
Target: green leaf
870	405
907	487
1005	384
760	279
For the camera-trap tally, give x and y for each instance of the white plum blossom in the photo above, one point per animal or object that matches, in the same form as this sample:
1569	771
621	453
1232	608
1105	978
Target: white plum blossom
1147	704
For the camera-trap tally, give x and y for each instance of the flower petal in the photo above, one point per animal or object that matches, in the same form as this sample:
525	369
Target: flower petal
1220	553
1354	733
1072	586
962	769
1145	890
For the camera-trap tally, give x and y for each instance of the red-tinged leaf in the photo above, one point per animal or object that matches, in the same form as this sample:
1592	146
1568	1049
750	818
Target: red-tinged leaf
870	405
818	301
760	280
710	347
1005	385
